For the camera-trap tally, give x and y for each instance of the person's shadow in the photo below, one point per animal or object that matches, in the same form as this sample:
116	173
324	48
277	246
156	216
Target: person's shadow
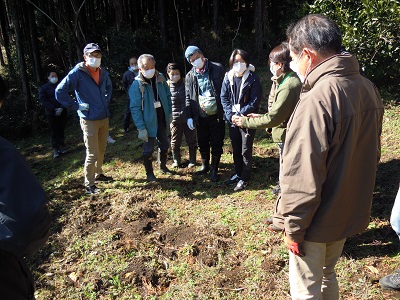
379	240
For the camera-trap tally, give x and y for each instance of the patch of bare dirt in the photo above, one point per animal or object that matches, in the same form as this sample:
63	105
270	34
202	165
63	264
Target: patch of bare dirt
232	279
149	274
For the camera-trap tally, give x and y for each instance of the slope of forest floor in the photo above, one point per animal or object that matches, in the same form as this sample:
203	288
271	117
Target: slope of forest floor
185	237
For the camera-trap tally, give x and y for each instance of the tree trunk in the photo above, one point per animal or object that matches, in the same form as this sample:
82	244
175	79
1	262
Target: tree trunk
6	39
163	27
215	14
37	64
13	7
260	18
119	13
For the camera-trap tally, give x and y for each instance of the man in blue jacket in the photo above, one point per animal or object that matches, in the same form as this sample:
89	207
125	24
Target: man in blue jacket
151	109
93	89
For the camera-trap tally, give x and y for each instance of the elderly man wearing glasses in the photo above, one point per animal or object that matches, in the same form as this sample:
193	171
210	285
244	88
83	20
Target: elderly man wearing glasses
93	89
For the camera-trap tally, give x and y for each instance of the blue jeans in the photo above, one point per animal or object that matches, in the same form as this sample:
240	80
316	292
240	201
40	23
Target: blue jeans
395	216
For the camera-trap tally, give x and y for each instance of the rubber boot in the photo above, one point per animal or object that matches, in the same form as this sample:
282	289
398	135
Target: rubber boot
176	156
214	168
162	160
205	166
148	165
192	157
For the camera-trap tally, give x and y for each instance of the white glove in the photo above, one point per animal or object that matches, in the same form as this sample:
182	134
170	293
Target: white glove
83	106
143	135
190	123
58	111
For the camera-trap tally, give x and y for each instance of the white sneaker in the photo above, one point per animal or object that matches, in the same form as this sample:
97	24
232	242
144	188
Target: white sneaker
110	140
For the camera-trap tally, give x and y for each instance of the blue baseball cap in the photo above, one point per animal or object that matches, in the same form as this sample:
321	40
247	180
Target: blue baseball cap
190	51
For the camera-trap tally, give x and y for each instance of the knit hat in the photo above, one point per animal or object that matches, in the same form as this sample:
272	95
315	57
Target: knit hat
190	51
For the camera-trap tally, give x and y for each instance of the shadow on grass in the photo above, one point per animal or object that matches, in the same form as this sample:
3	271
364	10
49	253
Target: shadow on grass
381	240
377	242
387	184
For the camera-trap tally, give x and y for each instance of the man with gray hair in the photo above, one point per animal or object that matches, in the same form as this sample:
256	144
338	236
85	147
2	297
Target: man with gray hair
330	158
151	109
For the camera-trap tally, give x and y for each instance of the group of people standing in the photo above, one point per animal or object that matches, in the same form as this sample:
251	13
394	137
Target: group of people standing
326	121
197	105
202	102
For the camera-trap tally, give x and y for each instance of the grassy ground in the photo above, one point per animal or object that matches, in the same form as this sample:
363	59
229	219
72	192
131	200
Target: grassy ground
185	237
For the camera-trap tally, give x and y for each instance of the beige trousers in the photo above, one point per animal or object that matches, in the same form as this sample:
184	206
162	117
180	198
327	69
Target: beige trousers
313	275
95	133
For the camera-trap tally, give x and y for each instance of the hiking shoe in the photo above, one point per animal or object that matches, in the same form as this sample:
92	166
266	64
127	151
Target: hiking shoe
390	282
92	190
267	221
276	190
151	178
274	228
62	150
166	171
104	178
56	154
233	180
110	140
240	185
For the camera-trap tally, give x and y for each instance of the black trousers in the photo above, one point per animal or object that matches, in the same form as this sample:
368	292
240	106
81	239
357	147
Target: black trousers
242	145
57	128
16	281
210	134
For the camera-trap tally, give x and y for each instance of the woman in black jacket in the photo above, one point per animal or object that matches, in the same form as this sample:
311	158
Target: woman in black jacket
240	95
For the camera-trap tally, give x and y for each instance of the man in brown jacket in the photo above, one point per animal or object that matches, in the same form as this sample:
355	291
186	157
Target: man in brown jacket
330	157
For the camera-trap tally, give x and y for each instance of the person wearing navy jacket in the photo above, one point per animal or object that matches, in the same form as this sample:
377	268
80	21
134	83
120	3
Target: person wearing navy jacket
55	112
240	95
93	90
24	219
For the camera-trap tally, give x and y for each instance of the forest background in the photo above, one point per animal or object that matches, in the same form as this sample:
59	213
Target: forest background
39	35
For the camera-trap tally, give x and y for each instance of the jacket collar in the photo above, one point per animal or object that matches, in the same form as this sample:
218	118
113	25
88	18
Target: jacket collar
82	67
142	80
338	65
246	73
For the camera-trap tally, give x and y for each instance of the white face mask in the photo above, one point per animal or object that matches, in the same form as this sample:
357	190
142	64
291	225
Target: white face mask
271	68
53	80
293	65
94	62
133	68
175	78
239	67
198	63
148	73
